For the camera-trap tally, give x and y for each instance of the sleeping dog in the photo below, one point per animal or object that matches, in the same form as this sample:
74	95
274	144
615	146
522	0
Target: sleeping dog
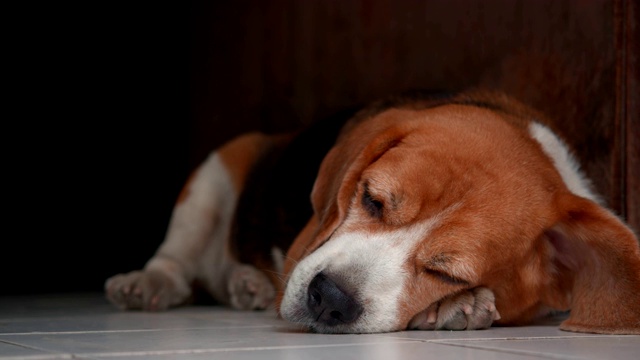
427	212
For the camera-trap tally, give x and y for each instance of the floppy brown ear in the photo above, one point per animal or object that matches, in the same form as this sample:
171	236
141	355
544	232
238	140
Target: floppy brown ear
340	172
598	259
336	183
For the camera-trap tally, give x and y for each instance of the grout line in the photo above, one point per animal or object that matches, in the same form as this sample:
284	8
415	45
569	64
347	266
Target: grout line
543	337
39	357
513	351
531	338
130	331
207	351
47	354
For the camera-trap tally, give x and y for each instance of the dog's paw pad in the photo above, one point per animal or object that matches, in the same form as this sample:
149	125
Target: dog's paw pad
484	309
250	289
453	313
468	310
146	290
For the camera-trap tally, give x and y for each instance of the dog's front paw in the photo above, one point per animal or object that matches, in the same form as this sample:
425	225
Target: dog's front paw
468	310
150	290
250	289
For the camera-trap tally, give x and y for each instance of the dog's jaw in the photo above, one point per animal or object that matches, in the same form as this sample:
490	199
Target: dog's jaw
371	267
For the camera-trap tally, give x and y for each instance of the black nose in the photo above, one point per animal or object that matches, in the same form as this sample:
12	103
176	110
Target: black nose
329	304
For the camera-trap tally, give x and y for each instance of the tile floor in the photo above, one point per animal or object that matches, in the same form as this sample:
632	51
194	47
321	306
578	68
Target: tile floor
85	326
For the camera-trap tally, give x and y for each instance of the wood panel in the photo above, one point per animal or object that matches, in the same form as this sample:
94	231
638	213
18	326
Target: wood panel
283	64
627	115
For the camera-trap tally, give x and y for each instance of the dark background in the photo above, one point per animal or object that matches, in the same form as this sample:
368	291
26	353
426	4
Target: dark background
111	105
96	136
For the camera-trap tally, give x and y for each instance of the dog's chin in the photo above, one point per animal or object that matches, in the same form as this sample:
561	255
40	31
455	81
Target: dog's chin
315	327
344	329
338	329
360	327
353	329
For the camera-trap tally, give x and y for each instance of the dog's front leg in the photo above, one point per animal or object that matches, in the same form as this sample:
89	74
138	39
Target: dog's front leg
195	247
468	310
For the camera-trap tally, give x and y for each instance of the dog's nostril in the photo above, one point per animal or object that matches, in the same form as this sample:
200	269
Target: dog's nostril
315	298
336	315
329	304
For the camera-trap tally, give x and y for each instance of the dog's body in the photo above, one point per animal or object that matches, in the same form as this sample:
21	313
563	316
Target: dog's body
427	212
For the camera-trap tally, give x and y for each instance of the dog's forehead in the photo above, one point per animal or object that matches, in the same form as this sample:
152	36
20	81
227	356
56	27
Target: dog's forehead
453	137
442	172
492	171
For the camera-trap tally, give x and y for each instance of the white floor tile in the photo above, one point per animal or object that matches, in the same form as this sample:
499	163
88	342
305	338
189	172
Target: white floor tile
128	343
497	333
10	351
596	348
86	326
375	351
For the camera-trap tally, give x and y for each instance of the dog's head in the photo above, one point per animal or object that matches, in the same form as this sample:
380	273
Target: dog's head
415	204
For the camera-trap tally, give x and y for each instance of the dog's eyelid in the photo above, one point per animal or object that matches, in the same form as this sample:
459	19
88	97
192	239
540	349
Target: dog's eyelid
441	266
445	277
372	205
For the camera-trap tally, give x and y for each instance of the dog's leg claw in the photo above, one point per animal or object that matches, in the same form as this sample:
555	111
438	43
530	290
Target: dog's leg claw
250	289
468	310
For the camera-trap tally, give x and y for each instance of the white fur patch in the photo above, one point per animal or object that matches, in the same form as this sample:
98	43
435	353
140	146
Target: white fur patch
199	230
371	266
564	161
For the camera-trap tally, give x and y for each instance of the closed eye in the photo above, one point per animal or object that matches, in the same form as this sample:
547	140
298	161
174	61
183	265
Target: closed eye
446	278
372	206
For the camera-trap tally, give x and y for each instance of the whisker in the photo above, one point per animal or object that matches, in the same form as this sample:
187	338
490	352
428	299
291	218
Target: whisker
280	276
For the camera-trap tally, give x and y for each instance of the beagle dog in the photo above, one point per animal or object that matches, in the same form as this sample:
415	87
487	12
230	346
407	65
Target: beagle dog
427	211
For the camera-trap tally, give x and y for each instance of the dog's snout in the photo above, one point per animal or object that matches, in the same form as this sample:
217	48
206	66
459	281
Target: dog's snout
329	304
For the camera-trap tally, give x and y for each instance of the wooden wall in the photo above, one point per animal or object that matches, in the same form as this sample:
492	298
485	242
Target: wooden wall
280	64
114	105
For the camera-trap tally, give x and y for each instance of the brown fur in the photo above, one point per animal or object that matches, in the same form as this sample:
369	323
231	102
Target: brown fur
241	154
558	251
